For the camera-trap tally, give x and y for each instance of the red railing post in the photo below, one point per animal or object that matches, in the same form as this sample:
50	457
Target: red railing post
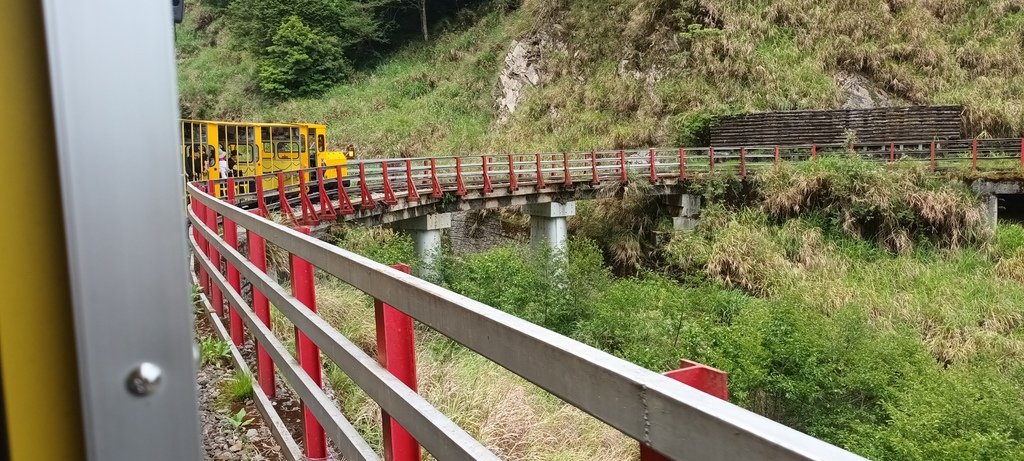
396	351
231	191
931	156
595	178
435	185
236	326
485	170
682	163
814	151
711	159
623	177
326	205
260	199
216	297
540	174
410	186
743	162
389	193
974	154
654	167
344	204
701	377
282	199
567	180
200	212
513	180
366	198
460	185
309	354
892	152
777	159
308	212
264	365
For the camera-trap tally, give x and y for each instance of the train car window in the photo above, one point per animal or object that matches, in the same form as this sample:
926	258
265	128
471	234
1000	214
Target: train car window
320	143
246	153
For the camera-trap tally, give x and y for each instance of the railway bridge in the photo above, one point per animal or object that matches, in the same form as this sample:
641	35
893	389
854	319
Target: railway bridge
418	195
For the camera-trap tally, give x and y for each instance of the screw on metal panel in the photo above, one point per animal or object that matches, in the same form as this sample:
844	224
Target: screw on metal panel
144	380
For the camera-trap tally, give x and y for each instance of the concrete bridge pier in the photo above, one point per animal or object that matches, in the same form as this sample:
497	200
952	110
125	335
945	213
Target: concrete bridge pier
549	224
426	238
685	209
991	203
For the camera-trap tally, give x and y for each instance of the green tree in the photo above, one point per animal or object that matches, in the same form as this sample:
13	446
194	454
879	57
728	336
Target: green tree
300	61
357	25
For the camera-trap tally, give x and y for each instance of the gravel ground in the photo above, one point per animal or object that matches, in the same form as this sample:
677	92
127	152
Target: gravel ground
222	441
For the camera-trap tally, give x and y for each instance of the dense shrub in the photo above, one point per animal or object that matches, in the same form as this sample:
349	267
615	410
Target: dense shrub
893	206
300	61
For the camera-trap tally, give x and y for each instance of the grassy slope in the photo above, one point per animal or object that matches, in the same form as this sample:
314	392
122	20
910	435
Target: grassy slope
679	60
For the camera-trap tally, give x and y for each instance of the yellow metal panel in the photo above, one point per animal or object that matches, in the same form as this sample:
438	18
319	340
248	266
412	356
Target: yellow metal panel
37	348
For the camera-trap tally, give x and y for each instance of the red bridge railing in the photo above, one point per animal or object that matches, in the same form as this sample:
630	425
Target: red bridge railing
307	196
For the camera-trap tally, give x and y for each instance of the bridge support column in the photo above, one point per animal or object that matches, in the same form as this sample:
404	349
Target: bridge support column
548	224
426	238
685	209
991	202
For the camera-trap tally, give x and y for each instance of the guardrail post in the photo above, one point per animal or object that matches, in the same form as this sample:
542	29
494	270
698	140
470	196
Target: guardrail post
460	185
309	354
623	177
396	351
216	297
326	205
540	174
931	156
698	376
814	151
743	162
389	193
344	204
777	154
282	199
308	212
567	180
513	178
200	212
486	173
260	199
231	191
236	326
264	365
410	186
974	154
435	185
682	163
654	167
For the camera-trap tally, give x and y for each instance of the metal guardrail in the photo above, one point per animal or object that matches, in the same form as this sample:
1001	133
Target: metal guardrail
661	413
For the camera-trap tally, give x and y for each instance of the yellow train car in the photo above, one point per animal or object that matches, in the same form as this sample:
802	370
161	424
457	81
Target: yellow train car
217	149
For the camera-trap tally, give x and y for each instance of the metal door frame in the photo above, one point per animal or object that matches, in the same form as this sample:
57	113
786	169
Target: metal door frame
113	82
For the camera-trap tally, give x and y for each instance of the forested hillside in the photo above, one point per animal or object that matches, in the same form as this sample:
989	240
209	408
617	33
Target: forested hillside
872	306
505	75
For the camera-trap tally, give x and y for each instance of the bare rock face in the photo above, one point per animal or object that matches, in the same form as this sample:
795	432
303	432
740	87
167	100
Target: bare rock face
860	93
523	67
